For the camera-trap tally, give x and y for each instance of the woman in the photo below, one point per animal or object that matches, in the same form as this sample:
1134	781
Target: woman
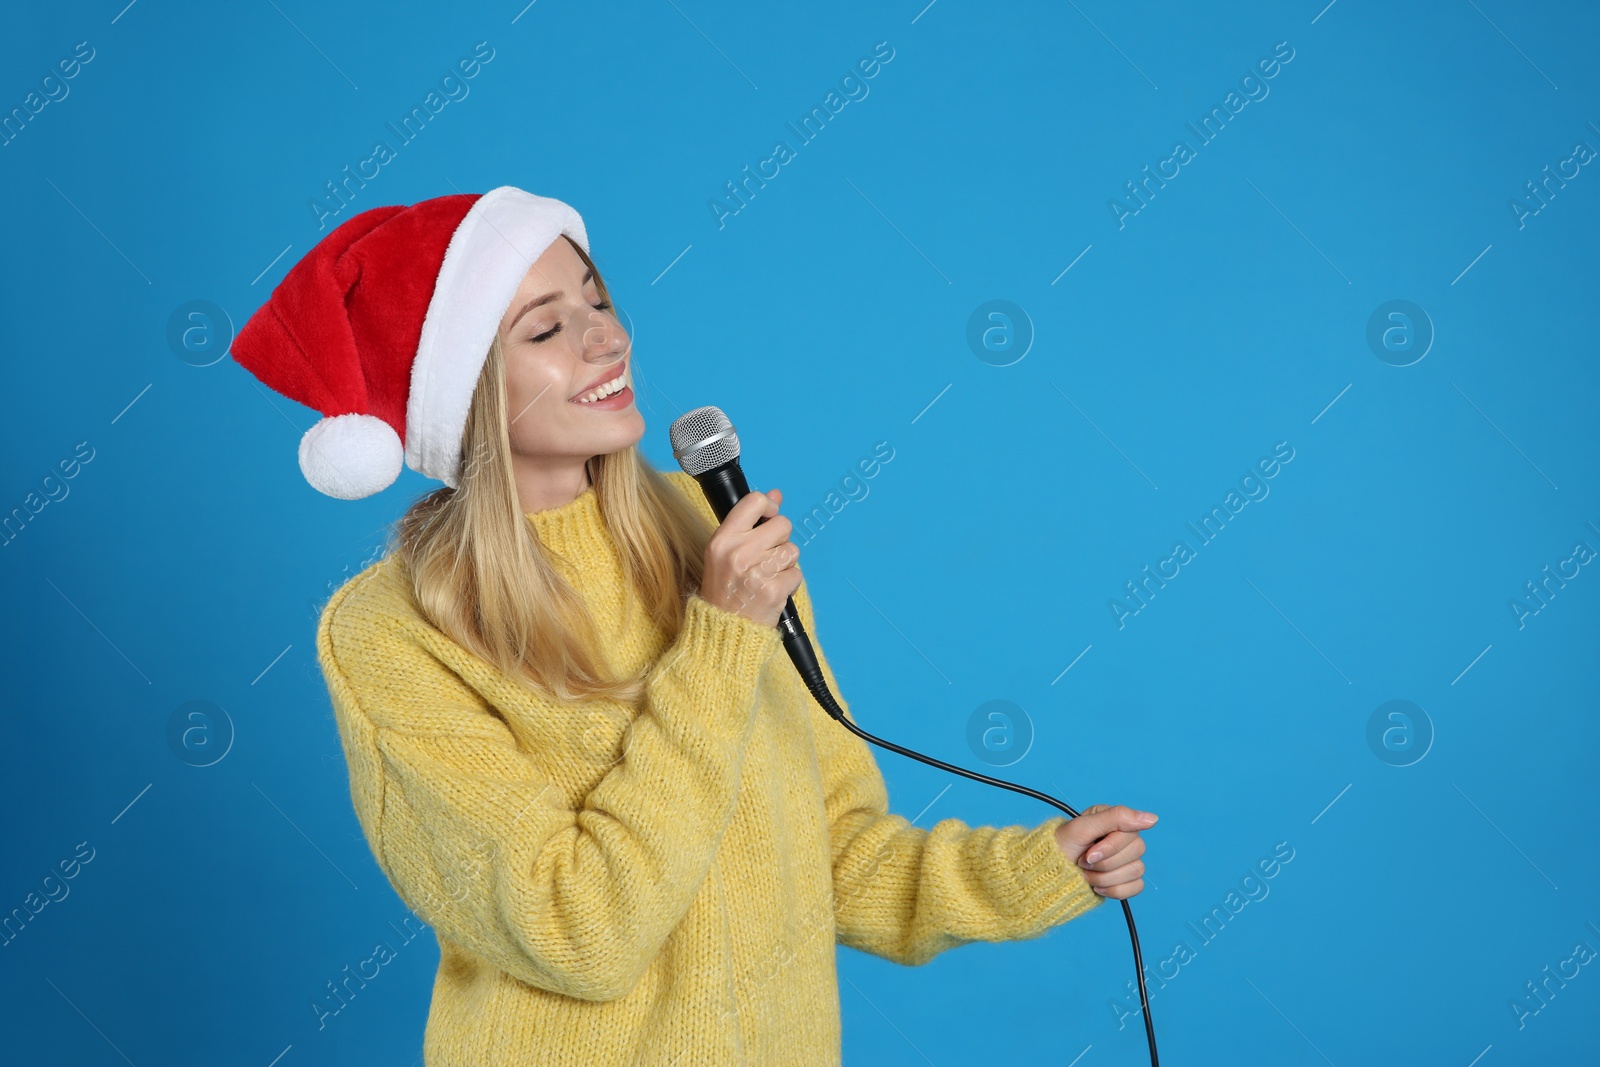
571	747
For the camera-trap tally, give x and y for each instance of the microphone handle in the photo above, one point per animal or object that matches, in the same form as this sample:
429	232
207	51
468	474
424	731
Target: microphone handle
724	487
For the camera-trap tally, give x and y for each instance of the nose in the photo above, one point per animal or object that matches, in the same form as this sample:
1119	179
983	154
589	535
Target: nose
598	337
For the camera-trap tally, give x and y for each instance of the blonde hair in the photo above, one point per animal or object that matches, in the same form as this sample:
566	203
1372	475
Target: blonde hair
480	574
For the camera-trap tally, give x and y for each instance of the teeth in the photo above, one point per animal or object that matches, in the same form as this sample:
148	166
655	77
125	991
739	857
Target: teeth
610	388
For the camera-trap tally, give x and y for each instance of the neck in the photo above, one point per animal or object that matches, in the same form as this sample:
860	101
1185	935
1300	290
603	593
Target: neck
543	485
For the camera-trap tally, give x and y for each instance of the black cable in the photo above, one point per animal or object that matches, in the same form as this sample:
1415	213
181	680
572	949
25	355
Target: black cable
819	690
707	447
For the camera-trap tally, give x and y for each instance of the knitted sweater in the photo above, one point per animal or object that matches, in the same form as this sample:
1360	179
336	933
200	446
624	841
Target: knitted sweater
656	884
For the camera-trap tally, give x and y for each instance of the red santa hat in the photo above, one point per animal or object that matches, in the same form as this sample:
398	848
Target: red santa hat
384	326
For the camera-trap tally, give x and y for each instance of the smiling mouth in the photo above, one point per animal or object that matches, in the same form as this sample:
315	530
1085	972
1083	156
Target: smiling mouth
605	390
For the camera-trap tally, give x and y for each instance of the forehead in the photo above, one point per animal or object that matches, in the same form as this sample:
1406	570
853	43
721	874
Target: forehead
559	267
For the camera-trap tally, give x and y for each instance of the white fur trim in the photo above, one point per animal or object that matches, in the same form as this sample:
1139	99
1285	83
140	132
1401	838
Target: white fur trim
351	456
489	254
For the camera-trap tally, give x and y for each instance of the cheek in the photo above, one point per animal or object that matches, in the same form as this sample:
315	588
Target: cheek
535	397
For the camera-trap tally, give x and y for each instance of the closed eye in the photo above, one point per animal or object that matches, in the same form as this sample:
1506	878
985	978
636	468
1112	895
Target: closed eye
604	305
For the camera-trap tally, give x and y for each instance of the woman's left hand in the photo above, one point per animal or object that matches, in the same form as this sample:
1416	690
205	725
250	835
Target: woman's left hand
1104	842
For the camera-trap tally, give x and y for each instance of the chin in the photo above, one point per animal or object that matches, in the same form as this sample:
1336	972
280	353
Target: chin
629	431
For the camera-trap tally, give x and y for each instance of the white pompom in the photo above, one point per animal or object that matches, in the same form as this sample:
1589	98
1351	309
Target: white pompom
351	456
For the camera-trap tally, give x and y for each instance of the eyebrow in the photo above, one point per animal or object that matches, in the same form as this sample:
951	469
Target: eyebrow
536	301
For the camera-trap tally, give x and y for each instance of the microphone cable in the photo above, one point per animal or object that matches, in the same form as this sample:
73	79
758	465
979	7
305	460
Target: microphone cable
819	690
707	448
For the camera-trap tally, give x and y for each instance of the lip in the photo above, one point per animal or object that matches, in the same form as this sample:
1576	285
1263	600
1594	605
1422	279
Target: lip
598	382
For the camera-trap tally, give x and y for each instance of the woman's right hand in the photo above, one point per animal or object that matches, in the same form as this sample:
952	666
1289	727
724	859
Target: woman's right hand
750	563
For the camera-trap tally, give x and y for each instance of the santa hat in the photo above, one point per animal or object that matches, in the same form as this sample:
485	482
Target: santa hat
385	324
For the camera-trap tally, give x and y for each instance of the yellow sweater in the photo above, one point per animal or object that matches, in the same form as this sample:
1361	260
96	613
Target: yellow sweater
658	884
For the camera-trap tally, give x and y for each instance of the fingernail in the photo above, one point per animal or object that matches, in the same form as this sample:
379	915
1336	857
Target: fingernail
1095	857
1147	816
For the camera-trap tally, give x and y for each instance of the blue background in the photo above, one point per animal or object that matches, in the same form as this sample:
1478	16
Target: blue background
188	559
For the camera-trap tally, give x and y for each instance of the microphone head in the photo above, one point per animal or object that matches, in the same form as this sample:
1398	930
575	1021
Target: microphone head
703	439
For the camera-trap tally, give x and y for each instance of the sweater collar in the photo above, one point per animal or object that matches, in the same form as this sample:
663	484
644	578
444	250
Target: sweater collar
586	555
574	525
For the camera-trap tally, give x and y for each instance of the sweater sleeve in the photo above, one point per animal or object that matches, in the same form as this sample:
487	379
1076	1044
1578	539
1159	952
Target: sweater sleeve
906	893
487	850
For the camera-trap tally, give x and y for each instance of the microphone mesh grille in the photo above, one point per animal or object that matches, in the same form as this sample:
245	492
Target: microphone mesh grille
703	439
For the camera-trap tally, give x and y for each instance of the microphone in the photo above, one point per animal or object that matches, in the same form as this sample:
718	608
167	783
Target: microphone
706	446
